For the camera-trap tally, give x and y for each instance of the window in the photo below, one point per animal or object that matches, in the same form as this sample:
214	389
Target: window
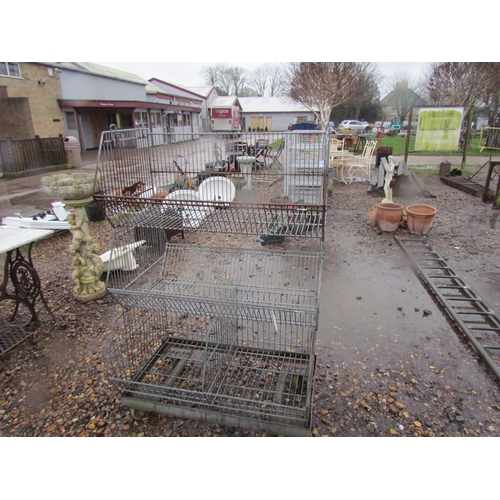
70	120
156	119
141	118
10	69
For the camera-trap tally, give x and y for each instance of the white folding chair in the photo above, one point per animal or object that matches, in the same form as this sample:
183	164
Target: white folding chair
363	164
338	158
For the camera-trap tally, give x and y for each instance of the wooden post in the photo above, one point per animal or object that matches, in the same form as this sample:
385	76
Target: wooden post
10	163
467	137
408	133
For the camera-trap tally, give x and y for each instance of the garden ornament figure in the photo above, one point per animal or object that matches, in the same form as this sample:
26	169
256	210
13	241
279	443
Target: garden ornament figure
389	174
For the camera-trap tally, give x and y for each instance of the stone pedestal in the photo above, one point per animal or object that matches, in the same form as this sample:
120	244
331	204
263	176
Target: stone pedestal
87	265
246	164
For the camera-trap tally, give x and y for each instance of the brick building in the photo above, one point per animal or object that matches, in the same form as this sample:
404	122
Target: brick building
29	94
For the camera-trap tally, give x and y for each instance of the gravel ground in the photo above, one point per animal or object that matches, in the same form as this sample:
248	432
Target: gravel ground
430	384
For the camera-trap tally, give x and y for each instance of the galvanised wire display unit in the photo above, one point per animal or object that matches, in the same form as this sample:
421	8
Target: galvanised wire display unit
220	291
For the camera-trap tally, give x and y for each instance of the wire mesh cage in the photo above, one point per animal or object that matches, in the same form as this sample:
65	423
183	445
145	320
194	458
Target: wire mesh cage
234	270
215	182
215	325
225	368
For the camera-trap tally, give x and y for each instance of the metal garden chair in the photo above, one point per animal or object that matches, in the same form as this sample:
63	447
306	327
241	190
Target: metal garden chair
361	164
273	156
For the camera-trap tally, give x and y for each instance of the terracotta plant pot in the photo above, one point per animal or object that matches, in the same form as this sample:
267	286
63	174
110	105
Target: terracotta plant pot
389	216
420	218
372	215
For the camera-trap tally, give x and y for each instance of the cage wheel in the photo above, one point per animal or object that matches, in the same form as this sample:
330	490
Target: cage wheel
138	414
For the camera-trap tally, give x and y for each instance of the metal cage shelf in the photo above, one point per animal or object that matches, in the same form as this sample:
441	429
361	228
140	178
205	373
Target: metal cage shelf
215	326
186	185
256	371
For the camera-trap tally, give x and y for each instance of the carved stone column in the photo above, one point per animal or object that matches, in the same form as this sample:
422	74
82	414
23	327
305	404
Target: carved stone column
87	265
75	191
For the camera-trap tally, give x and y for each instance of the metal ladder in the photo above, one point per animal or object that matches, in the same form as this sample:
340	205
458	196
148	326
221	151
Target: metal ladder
471	314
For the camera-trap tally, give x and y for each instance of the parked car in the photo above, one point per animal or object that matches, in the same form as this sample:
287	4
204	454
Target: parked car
305	126
355	126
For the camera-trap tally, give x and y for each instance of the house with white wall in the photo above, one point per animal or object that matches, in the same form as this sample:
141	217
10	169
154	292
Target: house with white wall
272	113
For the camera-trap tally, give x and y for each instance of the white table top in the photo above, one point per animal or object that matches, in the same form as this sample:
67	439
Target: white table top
15	237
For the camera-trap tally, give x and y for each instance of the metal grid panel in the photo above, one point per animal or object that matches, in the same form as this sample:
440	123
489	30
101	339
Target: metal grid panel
282	280
205	181
304	164
211	362
11	335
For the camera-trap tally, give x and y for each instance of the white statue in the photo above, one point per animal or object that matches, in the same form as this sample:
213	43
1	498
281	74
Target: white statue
389	174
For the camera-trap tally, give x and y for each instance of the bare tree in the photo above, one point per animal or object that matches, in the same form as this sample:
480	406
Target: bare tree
237	77
275	78
247	91
229	80
491	97
209	75
321	86
369	92
459	83
258	79
464	84
267	80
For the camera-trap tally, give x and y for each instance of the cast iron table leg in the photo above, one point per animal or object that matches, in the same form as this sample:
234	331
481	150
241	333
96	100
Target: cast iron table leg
25	281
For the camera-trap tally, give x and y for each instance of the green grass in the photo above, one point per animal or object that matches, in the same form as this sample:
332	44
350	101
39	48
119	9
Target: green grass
398	143
276	144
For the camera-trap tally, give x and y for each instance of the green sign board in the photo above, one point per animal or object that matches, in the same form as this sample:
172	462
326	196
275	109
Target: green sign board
439	129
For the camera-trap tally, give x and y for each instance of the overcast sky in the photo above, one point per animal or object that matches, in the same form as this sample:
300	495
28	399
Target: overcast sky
188	73
231	32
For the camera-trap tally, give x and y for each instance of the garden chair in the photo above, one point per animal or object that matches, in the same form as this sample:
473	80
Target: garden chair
338	158
362	164
260	152
273	156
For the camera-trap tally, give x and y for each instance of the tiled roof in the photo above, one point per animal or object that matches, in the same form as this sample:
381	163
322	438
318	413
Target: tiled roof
97	69
271	105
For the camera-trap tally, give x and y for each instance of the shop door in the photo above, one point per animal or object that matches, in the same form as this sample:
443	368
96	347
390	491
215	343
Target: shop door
98	122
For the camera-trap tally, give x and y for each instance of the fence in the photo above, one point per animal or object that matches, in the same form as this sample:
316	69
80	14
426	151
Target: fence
24	155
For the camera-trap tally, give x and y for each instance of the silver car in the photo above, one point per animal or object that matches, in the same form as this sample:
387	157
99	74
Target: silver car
355	126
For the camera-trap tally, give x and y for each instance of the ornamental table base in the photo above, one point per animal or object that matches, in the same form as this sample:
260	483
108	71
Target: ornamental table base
25	282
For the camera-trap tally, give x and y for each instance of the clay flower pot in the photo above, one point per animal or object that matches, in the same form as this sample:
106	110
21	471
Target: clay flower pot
420	218
389	216
372	215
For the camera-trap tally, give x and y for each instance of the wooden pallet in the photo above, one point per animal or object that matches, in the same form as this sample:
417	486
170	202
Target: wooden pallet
468	186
